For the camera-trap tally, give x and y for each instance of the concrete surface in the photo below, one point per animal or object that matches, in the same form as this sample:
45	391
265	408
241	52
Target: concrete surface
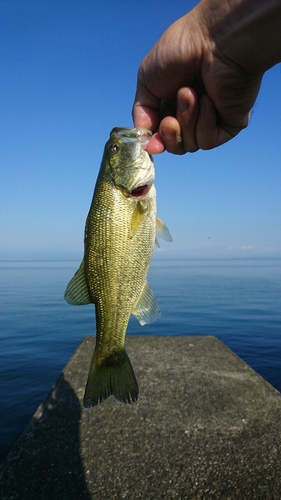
206	426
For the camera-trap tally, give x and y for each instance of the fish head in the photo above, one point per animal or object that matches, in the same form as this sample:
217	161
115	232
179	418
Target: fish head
131	167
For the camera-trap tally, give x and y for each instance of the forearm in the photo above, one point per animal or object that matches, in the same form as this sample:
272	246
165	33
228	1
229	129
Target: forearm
248	32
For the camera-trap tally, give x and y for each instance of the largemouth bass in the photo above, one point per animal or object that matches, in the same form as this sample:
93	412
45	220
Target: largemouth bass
120	234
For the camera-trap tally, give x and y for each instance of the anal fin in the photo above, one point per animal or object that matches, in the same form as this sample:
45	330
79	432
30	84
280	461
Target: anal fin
146	309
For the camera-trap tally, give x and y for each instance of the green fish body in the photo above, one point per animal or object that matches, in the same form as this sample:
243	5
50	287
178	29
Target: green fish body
120	234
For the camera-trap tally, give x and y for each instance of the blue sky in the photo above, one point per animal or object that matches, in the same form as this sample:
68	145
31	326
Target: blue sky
68	76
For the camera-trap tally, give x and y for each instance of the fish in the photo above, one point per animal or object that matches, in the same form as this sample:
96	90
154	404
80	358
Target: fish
120	233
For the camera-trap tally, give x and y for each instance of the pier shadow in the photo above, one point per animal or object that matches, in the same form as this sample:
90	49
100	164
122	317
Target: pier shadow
46	462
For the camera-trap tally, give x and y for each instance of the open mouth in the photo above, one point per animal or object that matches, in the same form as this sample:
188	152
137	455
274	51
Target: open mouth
140	191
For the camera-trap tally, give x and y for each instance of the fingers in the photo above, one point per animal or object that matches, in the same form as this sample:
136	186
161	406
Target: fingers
211	130
187	114
196	124
176	133
179	133
170	133
207	129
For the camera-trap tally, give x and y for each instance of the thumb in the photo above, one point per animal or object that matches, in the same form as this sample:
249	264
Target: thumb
146	108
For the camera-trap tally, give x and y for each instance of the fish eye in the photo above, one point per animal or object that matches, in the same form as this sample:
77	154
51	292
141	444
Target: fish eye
114	148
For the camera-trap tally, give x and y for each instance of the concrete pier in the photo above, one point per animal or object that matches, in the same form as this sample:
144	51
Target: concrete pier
206	426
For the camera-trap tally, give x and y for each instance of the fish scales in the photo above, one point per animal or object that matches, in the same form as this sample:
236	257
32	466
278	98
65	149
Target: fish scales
119	239
117	277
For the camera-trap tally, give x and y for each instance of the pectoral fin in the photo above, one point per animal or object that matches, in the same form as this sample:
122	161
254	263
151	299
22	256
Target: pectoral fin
146	309
137	217
76	292
162	231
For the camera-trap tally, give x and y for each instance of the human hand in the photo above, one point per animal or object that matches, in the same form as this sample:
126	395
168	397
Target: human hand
192	91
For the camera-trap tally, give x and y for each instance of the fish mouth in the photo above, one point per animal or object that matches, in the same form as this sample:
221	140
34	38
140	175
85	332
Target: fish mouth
140	190
137	192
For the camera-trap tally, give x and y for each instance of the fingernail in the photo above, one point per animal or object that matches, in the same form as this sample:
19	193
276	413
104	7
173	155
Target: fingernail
168	133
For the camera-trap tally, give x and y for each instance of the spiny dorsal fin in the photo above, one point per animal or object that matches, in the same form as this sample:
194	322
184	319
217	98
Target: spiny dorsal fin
146	309
162	230
77	292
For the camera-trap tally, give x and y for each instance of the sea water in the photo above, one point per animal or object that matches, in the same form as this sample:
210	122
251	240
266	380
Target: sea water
238	301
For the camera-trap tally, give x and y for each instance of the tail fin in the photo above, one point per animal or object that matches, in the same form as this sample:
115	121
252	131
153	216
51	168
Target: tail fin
114	376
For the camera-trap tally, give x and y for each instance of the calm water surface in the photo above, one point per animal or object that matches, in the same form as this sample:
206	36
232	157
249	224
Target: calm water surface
238	301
